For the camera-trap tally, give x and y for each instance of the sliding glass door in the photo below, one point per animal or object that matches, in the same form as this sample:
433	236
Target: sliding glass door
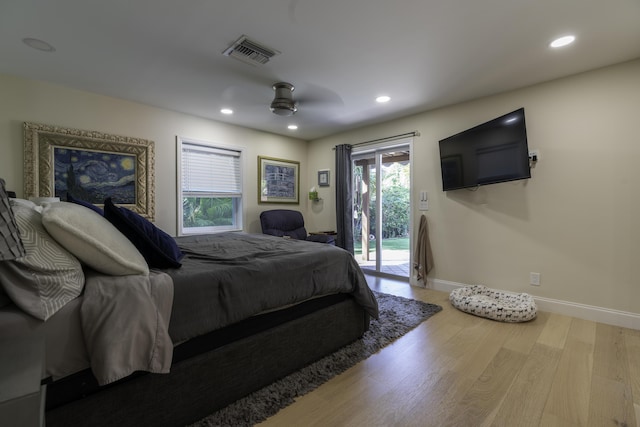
382	188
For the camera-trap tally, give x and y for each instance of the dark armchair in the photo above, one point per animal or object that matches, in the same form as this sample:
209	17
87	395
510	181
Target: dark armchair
285	222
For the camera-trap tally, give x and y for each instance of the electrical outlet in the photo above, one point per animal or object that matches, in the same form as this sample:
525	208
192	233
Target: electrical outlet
534	279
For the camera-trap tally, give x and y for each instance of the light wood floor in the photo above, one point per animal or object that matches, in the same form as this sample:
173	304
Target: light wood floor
459	370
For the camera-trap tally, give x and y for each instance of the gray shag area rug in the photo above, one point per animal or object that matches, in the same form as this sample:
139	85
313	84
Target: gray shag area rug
398	316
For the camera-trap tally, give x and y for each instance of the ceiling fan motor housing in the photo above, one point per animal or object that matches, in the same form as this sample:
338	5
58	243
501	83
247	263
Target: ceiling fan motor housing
283	103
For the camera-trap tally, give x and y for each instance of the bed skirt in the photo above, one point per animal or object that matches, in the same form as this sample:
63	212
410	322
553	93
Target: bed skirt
199	385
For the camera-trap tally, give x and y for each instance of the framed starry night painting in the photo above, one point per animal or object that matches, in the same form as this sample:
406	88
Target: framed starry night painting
89	166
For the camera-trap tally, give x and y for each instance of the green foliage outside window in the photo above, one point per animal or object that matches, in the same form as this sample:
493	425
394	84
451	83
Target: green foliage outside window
395	201
395	212
207	211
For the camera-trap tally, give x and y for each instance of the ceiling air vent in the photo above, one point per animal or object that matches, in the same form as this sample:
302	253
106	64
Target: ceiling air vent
250	52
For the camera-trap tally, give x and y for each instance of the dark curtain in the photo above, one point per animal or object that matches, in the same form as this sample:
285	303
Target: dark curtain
344	197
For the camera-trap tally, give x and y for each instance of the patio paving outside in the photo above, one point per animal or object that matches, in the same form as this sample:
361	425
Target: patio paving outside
394	262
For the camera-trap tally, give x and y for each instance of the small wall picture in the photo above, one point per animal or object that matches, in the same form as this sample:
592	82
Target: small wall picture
323	178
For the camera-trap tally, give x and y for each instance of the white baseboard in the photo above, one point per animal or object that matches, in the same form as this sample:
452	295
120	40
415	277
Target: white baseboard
588	312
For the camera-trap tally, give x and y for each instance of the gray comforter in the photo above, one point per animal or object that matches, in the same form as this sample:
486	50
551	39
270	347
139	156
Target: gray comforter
229	277
225	278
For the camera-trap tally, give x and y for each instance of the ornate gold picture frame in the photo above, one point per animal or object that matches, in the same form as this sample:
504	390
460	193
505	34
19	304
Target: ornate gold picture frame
90	165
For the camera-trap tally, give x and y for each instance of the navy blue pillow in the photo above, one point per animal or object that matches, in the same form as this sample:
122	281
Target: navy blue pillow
158	248
91	206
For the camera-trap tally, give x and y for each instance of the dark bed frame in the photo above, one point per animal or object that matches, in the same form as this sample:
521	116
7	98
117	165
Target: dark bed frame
213	370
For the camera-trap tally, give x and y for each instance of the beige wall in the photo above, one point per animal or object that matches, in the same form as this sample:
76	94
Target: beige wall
577	221
25	100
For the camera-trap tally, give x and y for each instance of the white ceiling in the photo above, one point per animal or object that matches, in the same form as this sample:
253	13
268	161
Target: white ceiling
339	54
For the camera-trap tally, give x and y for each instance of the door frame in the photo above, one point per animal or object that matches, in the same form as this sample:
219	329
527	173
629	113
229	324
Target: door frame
375	149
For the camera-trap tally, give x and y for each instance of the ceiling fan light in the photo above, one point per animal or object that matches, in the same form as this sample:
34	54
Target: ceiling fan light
283	107
283	104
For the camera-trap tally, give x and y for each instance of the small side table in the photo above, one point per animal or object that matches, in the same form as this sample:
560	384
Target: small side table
329	237
323	233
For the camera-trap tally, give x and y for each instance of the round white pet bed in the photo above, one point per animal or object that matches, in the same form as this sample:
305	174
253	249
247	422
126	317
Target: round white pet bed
486	302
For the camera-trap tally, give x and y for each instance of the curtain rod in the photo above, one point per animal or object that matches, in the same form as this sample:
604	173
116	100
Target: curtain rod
387	138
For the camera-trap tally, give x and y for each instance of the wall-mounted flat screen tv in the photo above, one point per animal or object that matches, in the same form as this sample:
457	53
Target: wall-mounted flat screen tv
495	151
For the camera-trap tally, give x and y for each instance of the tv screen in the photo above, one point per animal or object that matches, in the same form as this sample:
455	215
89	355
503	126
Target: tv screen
495	151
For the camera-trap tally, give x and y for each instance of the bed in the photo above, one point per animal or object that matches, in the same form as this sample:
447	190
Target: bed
240	311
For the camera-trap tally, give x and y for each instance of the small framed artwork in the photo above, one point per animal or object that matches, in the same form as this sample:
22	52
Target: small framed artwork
90	165
323	178
278	180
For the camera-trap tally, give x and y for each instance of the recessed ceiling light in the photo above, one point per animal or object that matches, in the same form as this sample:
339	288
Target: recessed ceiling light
38	44
562	41
292	127
383	99
226	111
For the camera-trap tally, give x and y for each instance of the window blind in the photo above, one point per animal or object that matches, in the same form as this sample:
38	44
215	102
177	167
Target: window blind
210	170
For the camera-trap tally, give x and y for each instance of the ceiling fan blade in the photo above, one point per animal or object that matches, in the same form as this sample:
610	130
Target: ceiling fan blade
312	95
246	94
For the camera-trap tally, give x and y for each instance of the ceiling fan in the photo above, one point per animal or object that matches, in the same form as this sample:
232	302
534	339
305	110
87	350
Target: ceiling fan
251	95
283	104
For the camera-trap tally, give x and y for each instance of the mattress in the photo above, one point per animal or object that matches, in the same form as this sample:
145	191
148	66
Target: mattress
82	383
228	277
204	383
231	285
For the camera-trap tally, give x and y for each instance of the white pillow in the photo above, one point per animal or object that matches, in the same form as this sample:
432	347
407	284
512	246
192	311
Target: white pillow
47	277
23	202
92	239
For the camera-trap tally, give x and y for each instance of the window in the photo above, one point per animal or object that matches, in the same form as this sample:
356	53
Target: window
210	187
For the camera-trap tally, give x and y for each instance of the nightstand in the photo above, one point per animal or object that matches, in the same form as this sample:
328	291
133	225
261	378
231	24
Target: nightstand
21	365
